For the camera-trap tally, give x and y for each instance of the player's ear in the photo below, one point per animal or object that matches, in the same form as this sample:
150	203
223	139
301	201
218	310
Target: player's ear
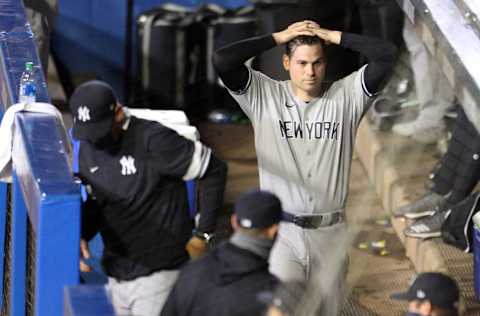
286	62
233	222
119	115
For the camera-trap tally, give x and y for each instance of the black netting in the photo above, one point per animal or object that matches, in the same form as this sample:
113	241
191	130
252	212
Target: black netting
31	250
31	259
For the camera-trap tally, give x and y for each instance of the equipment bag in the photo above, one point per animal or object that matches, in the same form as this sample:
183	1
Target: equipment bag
225	27
457	229
172	50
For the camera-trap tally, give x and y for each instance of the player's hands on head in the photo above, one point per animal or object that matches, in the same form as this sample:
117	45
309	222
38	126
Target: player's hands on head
196	247
328	36
292	31
309	28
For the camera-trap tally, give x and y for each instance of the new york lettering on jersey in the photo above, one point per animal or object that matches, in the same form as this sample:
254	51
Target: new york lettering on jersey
309	130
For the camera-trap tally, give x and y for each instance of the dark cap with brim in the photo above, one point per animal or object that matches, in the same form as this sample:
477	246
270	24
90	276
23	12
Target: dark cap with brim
441	290
92	131
258	209
93	107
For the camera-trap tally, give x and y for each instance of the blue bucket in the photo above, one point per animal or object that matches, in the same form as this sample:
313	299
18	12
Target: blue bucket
476	262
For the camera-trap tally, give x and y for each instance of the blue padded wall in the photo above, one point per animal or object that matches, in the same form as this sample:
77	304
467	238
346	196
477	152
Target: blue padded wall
44	189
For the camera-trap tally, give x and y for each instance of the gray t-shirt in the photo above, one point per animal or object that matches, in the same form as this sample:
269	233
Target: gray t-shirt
304	150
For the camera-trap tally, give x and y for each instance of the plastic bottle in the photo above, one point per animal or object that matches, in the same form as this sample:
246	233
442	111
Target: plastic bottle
27	85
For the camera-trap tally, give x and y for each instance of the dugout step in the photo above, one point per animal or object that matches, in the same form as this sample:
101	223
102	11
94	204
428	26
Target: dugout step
399	169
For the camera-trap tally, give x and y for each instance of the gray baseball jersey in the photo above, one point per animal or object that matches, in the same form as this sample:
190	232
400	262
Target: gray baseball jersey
304	150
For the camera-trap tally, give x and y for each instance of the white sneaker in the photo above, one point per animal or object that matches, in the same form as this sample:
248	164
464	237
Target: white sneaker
428	227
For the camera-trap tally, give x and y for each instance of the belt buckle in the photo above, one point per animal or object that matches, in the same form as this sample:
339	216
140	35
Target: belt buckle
299	221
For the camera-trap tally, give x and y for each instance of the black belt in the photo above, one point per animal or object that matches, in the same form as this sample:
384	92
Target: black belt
314	221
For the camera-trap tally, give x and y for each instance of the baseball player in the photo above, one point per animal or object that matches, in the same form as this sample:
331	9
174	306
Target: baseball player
134	171
304	137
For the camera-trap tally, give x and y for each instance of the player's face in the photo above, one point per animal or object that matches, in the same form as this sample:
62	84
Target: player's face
306	67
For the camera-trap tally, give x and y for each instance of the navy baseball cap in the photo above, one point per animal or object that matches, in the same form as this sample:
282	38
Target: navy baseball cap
258	209
93	107
441	290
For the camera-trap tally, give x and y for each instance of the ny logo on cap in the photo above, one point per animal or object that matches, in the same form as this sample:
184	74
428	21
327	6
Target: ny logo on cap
421	294
83	113
245	222
128	165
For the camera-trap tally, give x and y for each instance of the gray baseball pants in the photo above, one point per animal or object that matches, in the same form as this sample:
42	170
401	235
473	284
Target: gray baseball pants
317	256
143	296
433	90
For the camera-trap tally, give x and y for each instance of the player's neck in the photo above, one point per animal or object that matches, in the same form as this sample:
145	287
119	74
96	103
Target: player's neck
306	96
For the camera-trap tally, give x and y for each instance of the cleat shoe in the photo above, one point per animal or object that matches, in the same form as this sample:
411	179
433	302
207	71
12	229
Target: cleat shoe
425	206
428	227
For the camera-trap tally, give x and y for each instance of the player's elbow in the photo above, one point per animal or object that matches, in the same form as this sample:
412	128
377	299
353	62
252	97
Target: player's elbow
221	62
217	168
221	168
390	54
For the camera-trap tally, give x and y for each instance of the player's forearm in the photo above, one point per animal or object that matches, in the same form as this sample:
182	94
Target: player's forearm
210	194
381	56
89	225
234	55
229	60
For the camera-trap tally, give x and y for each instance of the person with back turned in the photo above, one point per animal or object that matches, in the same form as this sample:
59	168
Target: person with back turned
227	280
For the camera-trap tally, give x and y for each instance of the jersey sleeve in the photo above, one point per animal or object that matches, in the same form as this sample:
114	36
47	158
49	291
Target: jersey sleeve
254	96
177	156
356	93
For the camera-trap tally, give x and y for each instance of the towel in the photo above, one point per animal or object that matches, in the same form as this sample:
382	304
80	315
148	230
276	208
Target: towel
6	133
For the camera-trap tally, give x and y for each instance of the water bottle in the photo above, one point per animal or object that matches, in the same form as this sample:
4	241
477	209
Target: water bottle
27	85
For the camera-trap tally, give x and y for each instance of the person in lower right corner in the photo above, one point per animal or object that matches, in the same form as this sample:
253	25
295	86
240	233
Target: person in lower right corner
431	294
452	182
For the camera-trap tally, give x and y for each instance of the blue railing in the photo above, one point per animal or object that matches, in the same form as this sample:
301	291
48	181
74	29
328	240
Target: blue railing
43	191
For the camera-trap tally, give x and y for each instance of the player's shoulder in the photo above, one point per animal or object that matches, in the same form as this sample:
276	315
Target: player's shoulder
262	77
151	133
348	81
148	127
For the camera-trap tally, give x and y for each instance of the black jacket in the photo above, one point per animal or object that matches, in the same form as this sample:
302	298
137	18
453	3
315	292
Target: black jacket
226	282
139	200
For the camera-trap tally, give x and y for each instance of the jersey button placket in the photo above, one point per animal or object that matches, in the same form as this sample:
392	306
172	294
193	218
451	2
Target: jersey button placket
310	203
309	174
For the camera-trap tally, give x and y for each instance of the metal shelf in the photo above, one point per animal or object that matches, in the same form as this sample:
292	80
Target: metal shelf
451	32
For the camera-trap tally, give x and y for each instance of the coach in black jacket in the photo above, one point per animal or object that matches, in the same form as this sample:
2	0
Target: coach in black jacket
226	281
134	171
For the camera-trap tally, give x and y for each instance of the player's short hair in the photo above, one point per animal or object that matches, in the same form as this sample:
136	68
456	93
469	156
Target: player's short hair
291	45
